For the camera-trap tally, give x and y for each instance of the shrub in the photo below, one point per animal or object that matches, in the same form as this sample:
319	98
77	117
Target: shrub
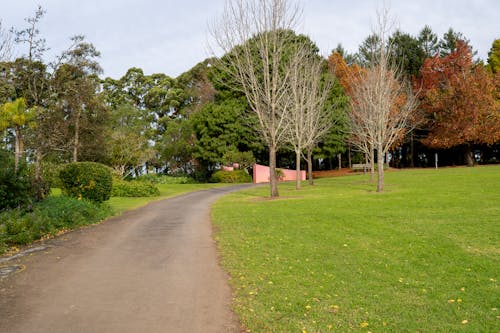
133	188
236	176
15	186
50	173
88	180
18	227
164	179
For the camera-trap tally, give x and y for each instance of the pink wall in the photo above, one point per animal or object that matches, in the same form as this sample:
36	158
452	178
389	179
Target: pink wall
261	174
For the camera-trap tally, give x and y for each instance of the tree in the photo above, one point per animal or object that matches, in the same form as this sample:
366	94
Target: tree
368	49
76	85
33	77
254	38
428	42
309	120
6	43
220	127
407	53
448	43
198	88
359	135
15	115
459	98
382	103
494	57
126	148
177	147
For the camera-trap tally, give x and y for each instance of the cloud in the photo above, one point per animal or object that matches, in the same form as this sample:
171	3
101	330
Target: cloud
170	36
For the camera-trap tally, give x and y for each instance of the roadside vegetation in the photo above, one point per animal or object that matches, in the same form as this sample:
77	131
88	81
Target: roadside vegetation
337	257
59	213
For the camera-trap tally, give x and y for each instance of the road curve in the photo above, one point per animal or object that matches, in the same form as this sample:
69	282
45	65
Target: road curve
154	269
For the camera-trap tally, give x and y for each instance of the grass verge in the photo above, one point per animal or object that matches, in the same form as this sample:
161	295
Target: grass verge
337	257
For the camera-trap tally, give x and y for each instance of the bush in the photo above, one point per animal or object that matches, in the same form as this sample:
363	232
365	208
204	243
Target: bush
16	188
133	188
51	172
87	180
236	176
18	227
164	179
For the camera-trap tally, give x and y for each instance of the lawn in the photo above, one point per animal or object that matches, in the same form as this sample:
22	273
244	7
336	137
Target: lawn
422	257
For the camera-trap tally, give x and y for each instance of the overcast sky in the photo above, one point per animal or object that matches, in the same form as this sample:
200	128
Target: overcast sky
170	36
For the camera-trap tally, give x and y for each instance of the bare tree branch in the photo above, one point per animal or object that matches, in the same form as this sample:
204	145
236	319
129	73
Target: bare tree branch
253	36
382	104
308	119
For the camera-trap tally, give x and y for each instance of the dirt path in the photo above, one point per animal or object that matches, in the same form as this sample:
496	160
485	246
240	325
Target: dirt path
154	269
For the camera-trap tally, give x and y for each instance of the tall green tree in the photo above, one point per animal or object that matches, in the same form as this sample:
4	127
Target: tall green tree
370	46
428	42
33	85
494	57
14	115
223	126
76	86
126	148
407	52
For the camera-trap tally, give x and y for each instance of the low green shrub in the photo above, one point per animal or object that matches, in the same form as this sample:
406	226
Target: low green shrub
87	180
164	179
134	188
16	188
236	176
18	227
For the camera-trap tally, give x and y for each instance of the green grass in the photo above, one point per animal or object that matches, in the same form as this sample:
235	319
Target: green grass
422	257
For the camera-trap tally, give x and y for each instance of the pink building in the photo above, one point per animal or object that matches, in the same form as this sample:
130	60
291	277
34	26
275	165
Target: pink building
261	174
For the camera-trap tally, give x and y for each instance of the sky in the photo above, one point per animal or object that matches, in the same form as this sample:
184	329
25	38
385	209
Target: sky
171	36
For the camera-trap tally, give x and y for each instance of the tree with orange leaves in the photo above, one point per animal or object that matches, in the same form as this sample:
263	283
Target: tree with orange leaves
459	98
382	103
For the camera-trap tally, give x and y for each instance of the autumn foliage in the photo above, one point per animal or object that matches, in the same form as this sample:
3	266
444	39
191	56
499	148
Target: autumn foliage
460	99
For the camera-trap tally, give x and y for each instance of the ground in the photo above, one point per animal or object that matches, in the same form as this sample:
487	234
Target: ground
154	269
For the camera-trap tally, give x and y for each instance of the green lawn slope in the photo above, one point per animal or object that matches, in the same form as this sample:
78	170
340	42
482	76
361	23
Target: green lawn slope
424	256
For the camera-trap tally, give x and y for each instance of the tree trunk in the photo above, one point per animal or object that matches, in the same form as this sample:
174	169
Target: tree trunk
38	175
310	166
380	166
297	170
272	172
349	156
372	164
18	148
339	156
366	163
77	137
412	163
469	159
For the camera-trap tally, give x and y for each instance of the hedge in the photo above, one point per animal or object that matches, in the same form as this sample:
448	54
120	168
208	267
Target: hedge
236	176
133	188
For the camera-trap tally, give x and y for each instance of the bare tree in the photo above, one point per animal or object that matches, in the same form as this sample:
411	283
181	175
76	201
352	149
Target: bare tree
382	103
308	117
6	43
253	36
